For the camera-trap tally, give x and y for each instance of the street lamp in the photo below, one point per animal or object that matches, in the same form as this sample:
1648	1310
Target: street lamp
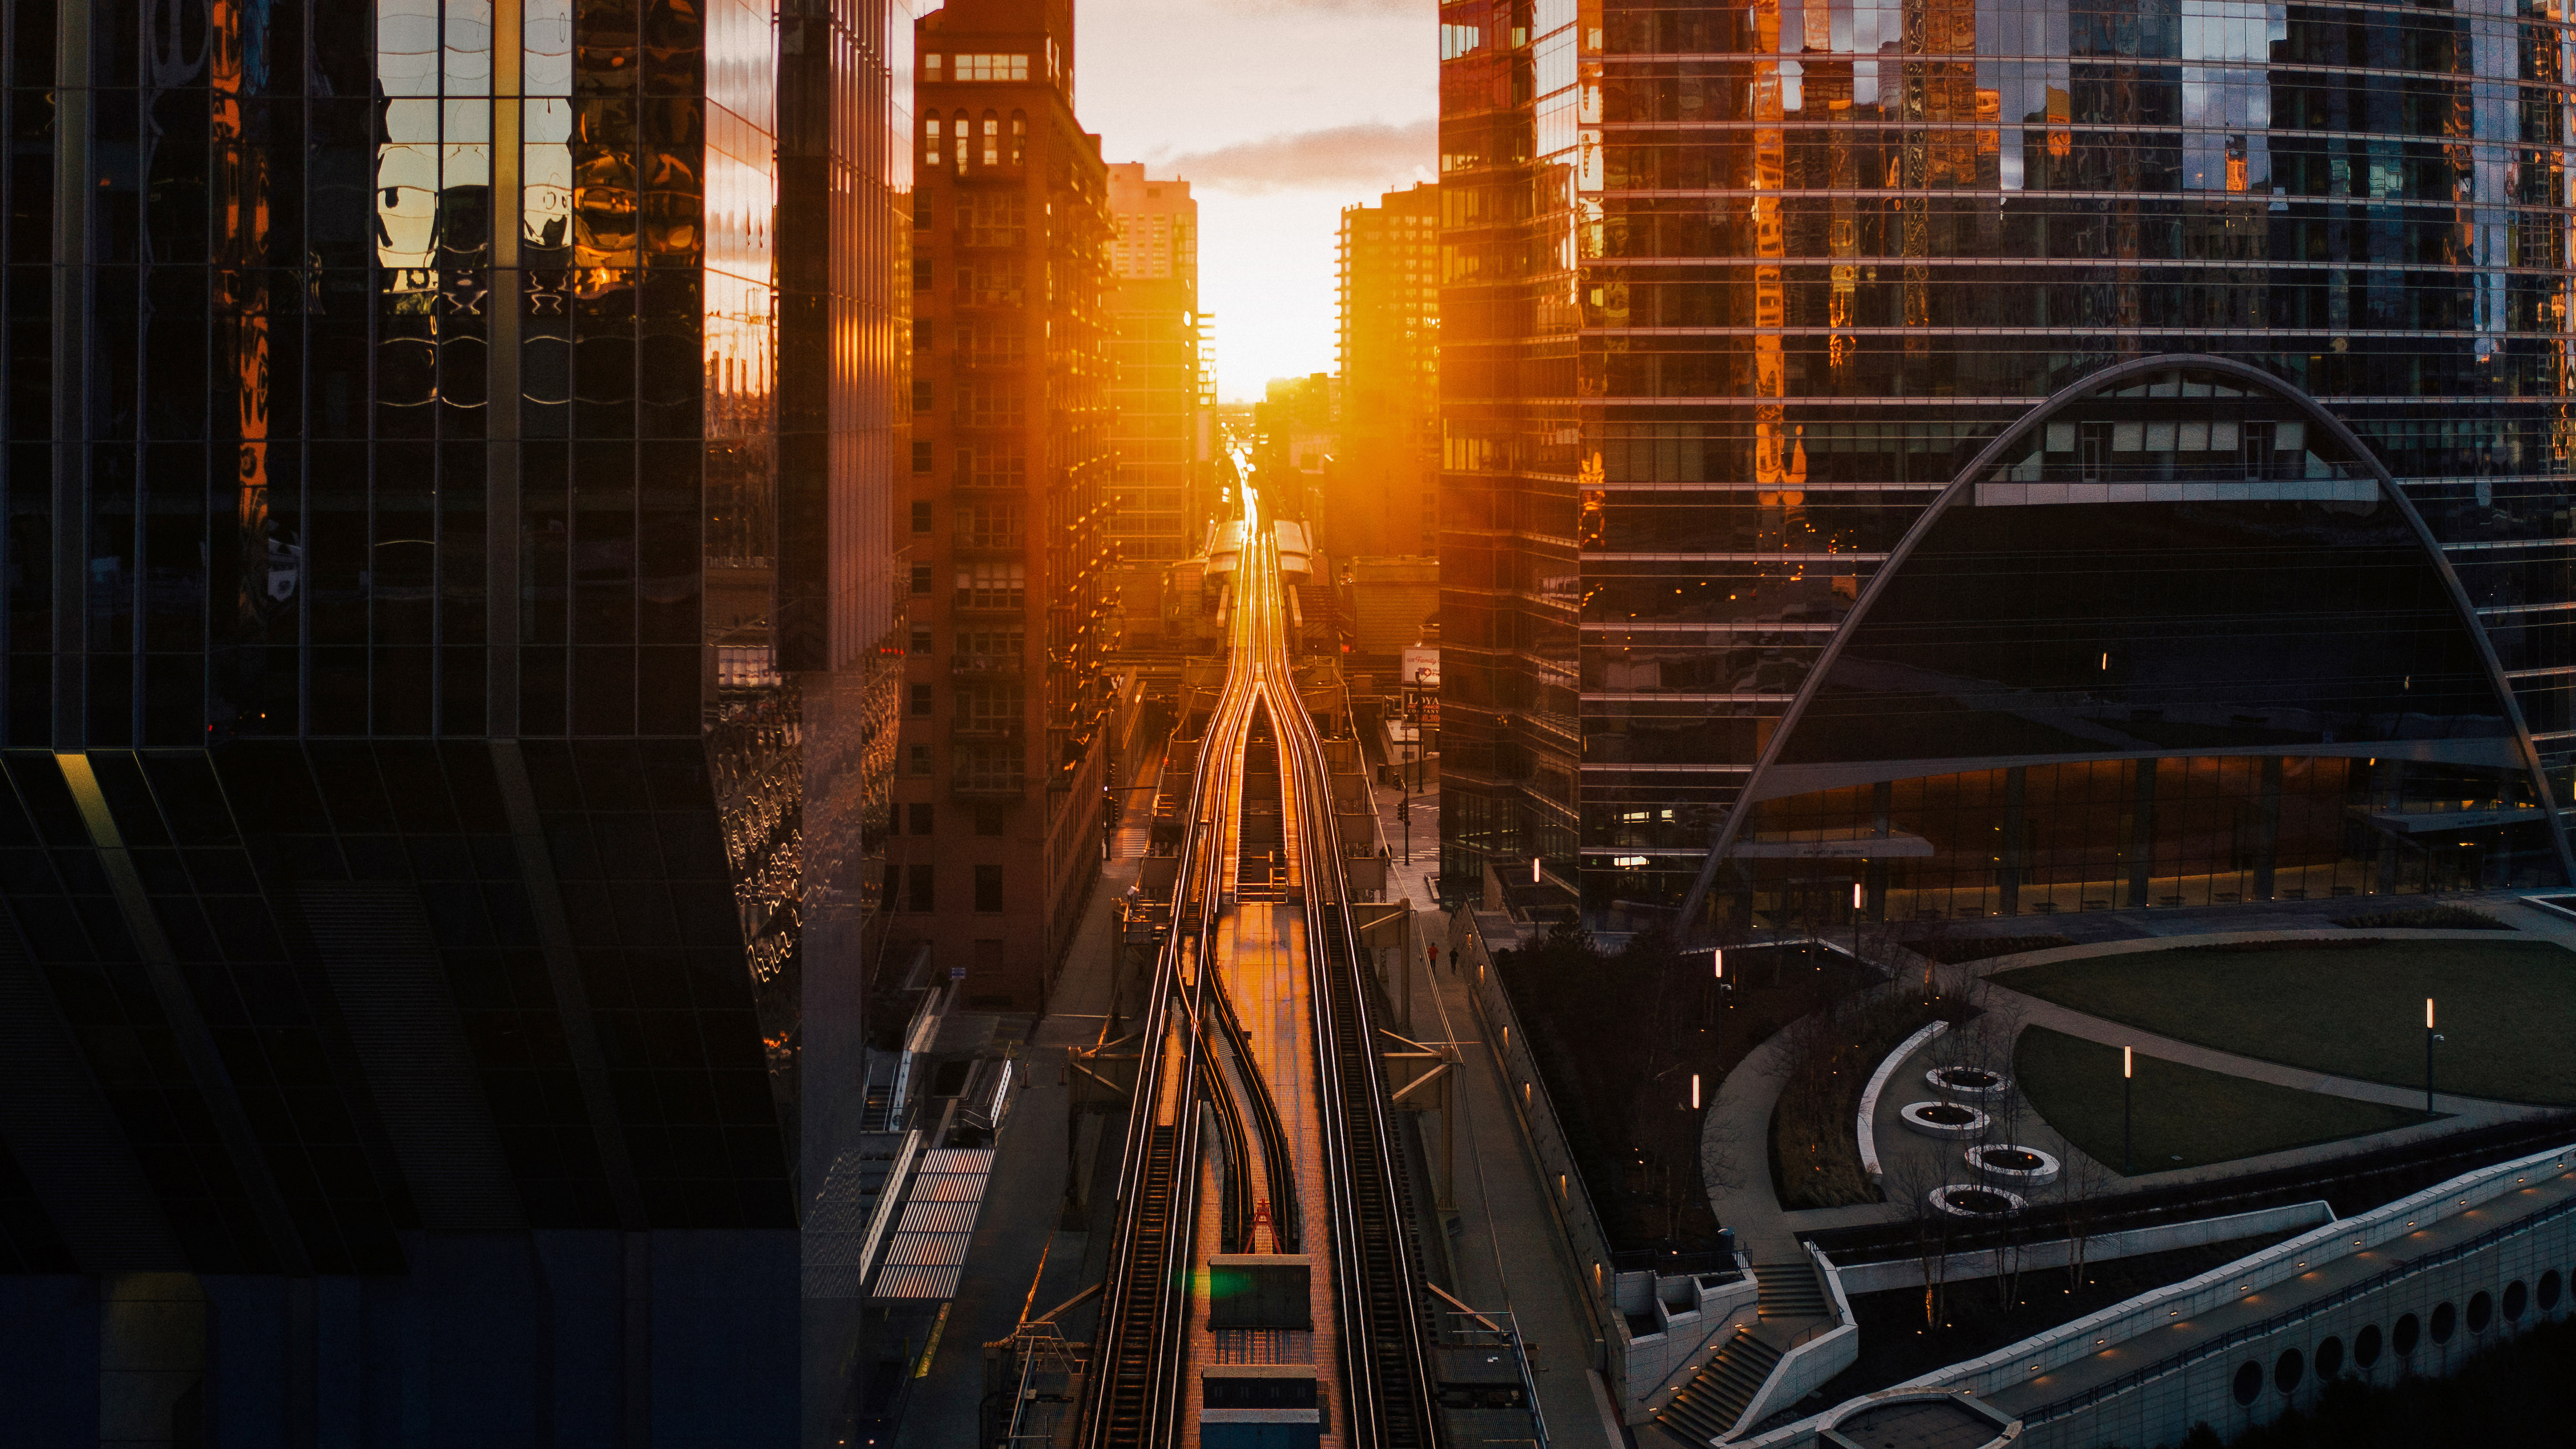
2128	1072
2430	1037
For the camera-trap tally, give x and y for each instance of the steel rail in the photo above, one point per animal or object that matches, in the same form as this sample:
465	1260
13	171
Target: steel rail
1389	1396
1134	1394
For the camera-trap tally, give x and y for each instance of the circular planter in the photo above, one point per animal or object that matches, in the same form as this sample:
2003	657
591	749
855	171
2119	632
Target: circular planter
2010	1164
1944	1119
1973	1083
1969	1200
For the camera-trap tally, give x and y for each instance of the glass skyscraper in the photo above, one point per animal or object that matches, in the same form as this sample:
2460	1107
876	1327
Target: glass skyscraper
452	612
2005	457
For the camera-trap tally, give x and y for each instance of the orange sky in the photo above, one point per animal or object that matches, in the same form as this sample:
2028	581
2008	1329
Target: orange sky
1279	113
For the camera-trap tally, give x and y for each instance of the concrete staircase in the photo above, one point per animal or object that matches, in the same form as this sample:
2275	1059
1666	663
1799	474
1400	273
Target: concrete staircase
1708	1406
1791	1290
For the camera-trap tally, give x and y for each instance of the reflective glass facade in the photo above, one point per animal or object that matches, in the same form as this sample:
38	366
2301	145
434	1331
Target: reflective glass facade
1734	292
434	635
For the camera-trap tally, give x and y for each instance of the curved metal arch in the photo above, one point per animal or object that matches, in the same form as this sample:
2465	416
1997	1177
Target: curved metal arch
2093	382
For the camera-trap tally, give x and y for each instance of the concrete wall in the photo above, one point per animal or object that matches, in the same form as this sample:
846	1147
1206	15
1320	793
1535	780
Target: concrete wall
2100	1248
2167	1396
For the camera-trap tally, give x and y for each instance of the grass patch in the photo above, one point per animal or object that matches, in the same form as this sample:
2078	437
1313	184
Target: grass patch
2508	1008
2186	1117
2425	918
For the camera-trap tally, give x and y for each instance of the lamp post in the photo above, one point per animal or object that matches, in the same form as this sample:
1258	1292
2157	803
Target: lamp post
2128	1071
2429	1039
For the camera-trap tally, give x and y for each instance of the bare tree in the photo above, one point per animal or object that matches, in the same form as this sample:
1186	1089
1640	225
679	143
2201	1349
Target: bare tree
1911	1177
2083	1185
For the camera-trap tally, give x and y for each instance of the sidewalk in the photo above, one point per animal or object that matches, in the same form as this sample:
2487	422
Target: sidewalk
1505	1246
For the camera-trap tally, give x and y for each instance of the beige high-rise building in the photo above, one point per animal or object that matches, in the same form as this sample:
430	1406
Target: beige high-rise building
1384	489
1161	389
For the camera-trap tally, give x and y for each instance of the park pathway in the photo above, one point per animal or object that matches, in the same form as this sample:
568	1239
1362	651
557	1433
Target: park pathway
1734	1140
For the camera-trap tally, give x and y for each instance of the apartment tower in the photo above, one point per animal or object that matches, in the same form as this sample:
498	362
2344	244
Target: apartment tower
1006	697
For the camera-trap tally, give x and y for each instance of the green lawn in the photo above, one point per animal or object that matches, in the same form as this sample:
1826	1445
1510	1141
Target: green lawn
2186	1117
2507	1008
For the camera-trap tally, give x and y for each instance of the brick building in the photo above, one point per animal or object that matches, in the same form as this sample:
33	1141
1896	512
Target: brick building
999	791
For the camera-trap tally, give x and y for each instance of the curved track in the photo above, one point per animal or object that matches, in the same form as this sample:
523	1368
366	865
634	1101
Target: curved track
1137	1392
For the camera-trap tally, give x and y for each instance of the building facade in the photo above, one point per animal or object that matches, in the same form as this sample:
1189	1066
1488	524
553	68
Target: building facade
1162	385
1386	479
441	770
1876	445
1006	695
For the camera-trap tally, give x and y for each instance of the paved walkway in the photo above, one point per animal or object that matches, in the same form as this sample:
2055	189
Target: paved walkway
1501	1243
1504	1248
1734	1150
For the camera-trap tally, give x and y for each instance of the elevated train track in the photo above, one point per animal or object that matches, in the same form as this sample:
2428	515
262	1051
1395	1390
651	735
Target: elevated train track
1259	826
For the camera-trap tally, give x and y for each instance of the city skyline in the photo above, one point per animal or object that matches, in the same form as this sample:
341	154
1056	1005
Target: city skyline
1123	724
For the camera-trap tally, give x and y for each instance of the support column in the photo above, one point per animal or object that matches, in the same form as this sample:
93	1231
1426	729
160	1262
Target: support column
2267	826
2008	874
2142	834
1882	799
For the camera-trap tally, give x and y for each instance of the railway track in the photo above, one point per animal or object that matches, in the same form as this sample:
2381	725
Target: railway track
1261	785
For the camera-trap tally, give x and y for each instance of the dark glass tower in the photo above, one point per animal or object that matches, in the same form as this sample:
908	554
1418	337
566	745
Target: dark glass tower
1742	301
448	703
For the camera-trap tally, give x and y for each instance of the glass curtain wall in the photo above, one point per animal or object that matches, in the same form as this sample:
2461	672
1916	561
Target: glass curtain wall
1817	255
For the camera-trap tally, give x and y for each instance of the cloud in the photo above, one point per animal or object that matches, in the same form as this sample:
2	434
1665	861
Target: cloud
1369	155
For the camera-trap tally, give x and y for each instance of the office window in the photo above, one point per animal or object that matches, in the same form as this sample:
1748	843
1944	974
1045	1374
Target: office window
992	585
918	819
989	68
921	456
921	578
930	139
988	887
921	638
921	274
922	890
921	516
921	700
920	764
921	394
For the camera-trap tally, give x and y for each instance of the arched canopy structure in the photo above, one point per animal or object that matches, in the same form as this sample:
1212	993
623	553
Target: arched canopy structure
2179	563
